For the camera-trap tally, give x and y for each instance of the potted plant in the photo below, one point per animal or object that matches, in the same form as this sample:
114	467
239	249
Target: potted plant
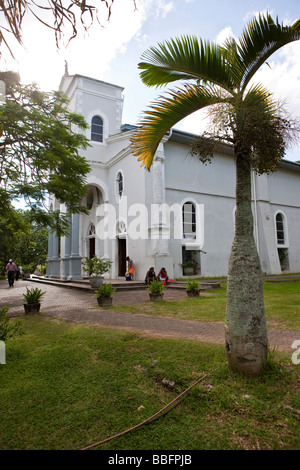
192	289
96	267
156	291
33	299
189	268
104	295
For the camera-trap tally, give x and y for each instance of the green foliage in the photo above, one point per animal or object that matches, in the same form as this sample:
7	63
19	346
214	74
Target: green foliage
22	239
193	286
39	153
156	287
7	328
29	268
217	77
105	290
96	266
33	295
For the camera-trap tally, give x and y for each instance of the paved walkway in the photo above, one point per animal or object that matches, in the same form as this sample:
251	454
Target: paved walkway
80	306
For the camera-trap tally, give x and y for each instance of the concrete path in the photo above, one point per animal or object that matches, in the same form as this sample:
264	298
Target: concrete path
80	306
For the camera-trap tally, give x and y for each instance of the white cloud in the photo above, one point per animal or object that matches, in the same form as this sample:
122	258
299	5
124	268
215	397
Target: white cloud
90	53
163	7
226	33
255	13
282	76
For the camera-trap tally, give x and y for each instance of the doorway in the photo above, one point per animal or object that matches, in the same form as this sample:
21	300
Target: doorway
92	249
122	256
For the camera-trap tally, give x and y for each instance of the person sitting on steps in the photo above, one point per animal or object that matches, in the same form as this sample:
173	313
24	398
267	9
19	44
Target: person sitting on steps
150	276
163	276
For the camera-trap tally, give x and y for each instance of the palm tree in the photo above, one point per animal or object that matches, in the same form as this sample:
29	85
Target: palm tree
219	77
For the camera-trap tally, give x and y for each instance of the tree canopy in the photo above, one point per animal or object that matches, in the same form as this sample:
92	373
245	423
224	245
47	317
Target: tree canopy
58	15
39	151
218	77
24	241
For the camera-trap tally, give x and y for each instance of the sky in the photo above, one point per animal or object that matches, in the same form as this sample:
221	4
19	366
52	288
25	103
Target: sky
111	52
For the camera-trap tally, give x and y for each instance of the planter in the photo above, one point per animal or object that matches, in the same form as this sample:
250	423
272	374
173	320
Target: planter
156	297
32	308
192	293
96	281
188	271
104	301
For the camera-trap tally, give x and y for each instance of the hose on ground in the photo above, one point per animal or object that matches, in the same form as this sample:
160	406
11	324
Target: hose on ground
153	417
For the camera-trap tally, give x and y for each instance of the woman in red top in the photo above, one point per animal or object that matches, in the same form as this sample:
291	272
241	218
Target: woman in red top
163	276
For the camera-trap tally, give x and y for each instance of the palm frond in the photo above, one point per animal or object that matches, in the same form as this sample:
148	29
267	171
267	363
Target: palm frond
260	39
258	95
164	113
186	58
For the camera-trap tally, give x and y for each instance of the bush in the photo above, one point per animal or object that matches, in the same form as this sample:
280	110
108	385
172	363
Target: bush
8	329
192	286
105	290
96	266
156	287
30	268
33	296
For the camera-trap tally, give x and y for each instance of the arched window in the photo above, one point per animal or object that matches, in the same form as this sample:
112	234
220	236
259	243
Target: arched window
93	197
91	230
280	229
90	198
97	129
91	241
120	184
189	220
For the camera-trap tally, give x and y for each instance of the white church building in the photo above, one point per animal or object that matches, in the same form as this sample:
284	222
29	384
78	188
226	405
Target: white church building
179	213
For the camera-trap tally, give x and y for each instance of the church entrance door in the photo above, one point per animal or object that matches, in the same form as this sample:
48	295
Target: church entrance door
92	250
122	256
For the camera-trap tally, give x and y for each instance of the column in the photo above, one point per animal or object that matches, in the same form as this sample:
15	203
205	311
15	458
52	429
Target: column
67	252
55	261
160	230
50	254
75	258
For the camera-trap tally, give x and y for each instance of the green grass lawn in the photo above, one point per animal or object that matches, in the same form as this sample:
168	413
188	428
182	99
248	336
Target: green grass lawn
68	386
282	303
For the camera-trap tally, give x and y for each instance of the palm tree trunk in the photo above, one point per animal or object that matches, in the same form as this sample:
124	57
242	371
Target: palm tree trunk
245	324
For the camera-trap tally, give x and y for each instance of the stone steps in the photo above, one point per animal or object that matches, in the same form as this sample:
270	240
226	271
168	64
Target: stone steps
119	285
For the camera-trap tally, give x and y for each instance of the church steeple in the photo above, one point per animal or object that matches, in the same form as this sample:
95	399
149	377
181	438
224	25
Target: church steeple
66	68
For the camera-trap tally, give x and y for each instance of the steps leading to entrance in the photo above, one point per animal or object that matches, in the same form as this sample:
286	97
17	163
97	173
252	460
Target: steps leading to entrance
118	284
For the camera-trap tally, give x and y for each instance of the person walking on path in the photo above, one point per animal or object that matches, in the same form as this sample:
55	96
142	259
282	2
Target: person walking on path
11	269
